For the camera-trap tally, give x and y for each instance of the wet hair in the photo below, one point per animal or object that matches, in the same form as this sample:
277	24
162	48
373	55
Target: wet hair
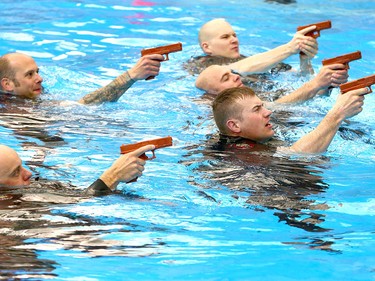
226	106
6	71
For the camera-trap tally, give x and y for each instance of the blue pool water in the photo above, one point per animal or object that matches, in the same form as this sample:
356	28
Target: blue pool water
194	214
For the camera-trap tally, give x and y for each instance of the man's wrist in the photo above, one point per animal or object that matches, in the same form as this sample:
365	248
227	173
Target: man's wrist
289	50
335	116
109	179
315	85
130	76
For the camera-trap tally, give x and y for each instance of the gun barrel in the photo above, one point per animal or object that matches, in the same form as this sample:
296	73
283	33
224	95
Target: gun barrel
159	143
162	50
319	25
344	59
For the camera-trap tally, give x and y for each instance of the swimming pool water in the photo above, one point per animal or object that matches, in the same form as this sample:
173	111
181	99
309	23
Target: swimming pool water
194	214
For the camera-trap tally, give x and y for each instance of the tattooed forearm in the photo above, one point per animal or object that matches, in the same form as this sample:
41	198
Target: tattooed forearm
111	92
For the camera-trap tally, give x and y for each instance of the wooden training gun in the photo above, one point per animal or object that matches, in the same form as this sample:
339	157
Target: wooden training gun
344	59
319	26
159	143
365	82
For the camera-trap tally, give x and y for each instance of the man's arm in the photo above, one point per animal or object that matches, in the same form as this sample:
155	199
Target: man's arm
306	67
145	67
265	61
318	140
329	76
126	168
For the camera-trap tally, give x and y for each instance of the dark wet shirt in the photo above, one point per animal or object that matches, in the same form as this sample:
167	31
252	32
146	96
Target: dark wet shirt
230	143
98	188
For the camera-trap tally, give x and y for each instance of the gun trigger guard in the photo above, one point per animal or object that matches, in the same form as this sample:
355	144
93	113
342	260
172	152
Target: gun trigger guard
152	157
315	34
166	57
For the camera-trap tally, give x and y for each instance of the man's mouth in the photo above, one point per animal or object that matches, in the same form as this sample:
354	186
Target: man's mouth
38	90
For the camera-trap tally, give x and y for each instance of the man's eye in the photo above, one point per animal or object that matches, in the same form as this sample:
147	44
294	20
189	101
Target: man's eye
16	172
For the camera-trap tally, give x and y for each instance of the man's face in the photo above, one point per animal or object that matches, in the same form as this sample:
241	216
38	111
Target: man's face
220	78
222	41
28	82
12	173
255	120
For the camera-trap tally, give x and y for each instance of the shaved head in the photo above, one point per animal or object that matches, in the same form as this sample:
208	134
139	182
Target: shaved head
12	173
216	78
217	38
208	30
19	75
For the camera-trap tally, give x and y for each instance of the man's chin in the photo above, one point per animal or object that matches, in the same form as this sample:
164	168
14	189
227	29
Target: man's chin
235	55
33	95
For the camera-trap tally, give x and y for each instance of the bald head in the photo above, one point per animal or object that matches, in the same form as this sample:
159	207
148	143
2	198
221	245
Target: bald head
11	171
208	30
217	38
19	75
216	78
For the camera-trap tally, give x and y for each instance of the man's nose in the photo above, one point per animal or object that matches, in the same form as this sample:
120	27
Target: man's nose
26	174
39	78
234	39
236	77
268	112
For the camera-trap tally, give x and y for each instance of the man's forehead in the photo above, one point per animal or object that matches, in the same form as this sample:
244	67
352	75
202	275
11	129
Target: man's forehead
252	101
218	28
9	160
21	61
222	71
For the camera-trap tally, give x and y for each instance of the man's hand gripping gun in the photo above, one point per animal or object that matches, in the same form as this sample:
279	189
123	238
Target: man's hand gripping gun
344	59
162	50
319	26
365	82
159	143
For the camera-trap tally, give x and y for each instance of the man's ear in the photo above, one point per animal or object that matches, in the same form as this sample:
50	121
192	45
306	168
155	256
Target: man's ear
7	84
206	48
233	126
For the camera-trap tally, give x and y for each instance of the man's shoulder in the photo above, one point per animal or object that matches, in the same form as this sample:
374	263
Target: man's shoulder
197	64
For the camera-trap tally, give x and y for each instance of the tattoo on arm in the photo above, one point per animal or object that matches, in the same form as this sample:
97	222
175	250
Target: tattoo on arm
111	92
